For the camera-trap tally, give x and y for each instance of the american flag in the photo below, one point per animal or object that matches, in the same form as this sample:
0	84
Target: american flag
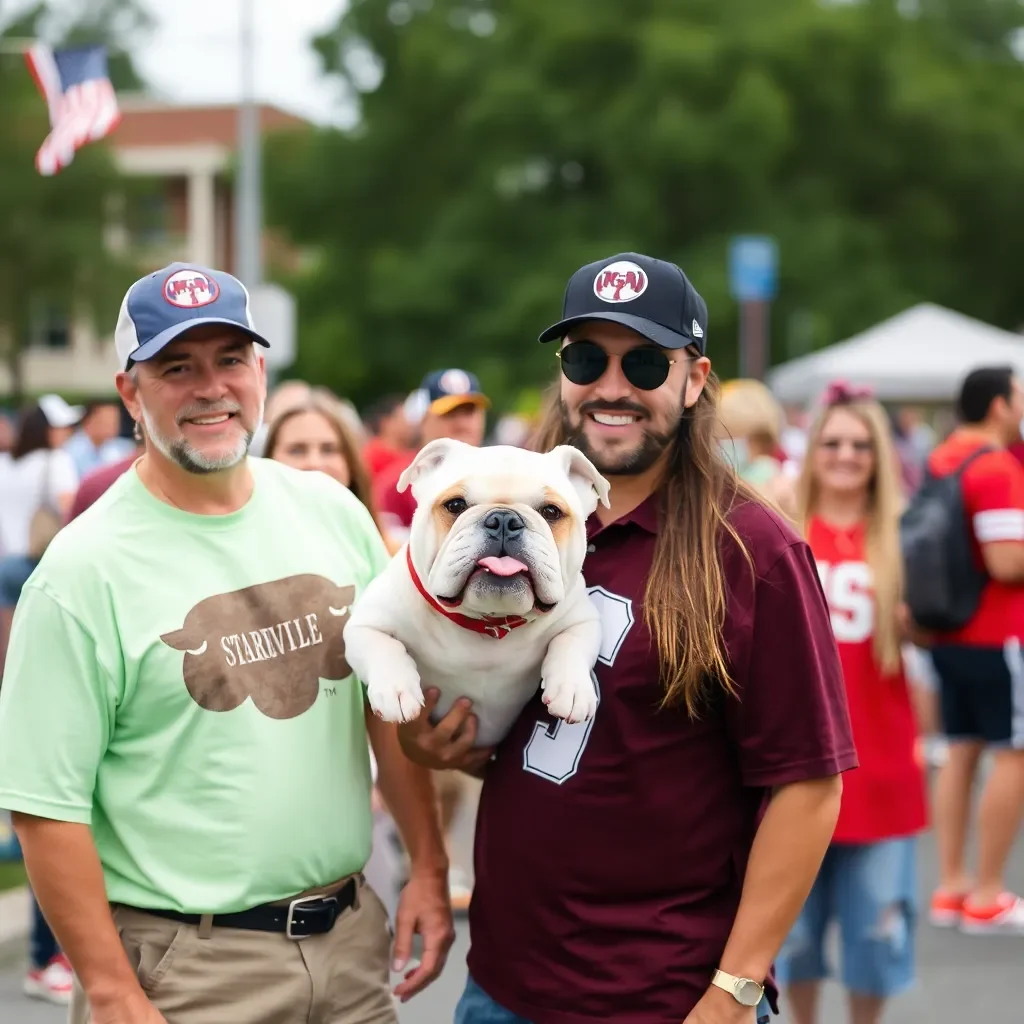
80	98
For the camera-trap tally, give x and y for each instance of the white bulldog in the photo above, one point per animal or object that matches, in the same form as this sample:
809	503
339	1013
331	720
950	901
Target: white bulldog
487	598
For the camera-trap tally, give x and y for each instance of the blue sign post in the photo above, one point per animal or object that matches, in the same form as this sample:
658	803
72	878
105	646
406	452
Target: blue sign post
753	282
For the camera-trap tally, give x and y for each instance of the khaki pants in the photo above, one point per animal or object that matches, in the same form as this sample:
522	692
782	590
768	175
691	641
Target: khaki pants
235	976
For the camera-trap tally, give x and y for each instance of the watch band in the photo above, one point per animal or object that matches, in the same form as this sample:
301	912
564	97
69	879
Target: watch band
743	990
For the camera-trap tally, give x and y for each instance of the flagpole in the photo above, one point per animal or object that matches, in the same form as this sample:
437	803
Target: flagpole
248	197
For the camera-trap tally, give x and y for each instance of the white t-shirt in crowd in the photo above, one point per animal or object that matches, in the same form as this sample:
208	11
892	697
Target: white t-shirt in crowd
26	484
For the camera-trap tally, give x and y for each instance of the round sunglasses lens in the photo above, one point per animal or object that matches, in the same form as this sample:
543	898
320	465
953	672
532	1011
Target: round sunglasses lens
645	368
583	362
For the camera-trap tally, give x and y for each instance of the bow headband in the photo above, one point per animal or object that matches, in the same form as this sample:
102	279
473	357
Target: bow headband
840	392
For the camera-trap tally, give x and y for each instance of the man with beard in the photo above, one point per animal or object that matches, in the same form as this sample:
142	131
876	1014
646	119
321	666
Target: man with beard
646	866
182	743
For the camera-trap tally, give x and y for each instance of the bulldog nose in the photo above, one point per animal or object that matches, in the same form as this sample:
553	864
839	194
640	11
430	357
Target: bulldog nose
504	525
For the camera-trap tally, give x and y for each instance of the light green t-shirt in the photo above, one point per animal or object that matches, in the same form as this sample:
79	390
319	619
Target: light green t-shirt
178	681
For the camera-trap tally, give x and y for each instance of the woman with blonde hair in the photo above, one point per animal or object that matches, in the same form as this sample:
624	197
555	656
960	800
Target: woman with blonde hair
751	420
315	434
848	503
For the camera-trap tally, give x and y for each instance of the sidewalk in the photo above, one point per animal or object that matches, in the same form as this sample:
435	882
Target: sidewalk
15	914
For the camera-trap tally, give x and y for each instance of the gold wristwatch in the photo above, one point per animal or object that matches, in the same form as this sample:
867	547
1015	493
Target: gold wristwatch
745	991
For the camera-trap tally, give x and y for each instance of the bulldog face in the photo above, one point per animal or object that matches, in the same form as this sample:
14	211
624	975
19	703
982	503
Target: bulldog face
500	530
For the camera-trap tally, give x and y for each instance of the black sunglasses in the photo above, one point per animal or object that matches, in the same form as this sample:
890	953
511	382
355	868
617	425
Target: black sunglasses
584	362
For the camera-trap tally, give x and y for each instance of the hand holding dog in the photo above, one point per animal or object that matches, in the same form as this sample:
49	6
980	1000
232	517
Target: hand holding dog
447	745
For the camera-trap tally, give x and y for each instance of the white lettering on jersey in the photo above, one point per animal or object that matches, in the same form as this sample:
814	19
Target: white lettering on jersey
555	748
851	600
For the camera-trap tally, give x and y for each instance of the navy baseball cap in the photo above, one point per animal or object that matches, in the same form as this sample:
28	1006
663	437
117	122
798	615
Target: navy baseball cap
649	296
448	389
163	305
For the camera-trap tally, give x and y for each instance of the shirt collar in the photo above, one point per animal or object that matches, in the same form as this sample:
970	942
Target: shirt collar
645	515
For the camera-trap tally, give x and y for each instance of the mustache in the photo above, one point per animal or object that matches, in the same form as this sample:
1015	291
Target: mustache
620	405
197	409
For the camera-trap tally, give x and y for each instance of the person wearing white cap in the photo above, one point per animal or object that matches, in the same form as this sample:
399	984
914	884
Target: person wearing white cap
183	746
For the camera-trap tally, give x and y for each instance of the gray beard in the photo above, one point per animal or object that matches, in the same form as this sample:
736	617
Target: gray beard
631	463
190	459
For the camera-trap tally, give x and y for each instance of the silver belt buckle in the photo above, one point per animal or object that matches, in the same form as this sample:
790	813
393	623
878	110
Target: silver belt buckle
290	919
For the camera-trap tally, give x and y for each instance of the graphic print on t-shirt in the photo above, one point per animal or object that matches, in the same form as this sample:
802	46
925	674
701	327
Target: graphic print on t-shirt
272	642
555	747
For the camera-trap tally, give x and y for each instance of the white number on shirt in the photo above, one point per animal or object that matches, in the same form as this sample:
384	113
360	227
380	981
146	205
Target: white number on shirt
556	747
847	587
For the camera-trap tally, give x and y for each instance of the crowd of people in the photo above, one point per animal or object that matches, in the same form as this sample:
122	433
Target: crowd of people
731	848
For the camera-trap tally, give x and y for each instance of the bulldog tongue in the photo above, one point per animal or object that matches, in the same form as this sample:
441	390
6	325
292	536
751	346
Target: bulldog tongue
503	566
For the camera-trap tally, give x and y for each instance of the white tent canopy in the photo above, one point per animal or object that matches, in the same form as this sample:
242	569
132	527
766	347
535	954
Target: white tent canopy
922	354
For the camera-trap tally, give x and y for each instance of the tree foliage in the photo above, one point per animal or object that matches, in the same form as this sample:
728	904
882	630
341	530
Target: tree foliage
53	230
501	144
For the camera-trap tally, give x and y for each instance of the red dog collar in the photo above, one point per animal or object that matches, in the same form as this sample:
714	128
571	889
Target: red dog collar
496	626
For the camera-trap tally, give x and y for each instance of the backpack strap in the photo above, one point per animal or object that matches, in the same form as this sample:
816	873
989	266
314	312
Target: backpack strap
961	469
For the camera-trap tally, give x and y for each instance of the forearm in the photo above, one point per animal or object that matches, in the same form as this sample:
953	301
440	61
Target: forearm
408	792
784	861
67	881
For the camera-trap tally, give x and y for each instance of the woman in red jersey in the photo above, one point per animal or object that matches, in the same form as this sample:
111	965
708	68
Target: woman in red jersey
849	503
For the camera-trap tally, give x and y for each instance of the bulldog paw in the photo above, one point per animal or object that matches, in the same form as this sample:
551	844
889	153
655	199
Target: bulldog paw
396	701
573	700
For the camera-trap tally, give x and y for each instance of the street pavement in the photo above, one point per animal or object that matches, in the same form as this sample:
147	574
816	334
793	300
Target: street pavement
961	978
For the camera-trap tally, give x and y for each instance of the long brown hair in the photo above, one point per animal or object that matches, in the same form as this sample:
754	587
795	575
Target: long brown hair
685	597
885	500
359	482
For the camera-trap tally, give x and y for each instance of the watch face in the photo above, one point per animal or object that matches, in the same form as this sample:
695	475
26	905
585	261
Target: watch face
748	992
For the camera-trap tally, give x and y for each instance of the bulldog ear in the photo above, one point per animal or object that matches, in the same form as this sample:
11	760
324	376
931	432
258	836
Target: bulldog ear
428	458
580	470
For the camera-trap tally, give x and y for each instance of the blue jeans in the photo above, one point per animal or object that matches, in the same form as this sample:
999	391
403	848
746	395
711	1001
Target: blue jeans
477	1007
43	944
870	891
14	571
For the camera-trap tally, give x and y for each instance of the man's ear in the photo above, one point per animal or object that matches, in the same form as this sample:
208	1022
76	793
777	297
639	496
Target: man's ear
696	378
428	458
128	388
583	475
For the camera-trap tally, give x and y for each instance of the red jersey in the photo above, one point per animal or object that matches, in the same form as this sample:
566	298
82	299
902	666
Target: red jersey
993	492
379	457
396	510
885	797
610	855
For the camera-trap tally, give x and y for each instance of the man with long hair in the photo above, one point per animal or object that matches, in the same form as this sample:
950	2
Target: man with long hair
646	866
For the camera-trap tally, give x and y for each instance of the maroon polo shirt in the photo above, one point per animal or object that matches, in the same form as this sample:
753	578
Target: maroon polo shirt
95	484
610	855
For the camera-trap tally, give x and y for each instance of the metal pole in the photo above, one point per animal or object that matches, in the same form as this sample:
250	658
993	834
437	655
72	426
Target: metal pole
248	194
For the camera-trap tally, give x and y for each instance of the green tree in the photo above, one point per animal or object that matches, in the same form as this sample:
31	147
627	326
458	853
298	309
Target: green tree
502	143
53	230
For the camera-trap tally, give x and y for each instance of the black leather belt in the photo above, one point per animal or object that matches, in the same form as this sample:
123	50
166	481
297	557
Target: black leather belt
302	917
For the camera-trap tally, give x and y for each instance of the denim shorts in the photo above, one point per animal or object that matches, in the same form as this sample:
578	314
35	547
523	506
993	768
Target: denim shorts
477	1007
870	891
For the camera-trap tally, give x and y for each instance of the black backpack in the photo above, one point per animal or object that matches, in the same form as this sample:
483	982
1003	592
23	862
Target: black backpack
942	583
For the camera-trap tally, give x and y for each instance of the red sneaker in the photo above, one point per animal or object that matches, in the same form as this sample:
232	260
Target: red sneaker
52	983
946	909
1004	917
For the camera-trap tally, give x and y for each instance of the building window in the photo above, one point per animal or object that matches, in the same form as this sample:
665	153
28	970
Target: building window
50	326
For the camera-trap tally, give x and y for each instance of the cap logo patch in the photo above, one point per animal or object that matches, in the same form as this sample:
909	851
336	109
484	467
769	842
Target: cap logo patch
455	382
620	282
188	289
697	332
